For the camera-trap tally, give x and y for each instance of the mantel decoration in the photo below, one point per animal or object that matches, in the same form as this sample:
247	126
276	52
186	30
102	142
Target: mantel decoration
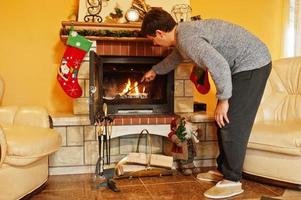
132	15
140	7
103	33
94	7
181	12
115	17
89	10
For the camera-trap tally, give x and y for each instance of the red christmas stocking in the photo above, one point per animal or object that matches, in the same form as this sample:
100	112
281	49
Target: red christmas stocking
200	79
76	50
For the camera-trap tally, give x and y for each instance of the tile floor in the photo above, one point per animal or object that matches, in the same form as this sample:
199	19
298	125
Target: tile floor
177	187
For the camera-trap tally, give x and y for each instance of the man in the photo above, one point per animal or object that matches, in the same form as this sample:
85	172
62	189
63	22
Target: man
239	64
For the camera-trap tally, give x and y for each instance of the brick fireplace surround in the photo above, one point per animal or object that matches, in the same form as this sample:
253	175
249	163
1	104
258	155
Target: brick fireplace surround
79	151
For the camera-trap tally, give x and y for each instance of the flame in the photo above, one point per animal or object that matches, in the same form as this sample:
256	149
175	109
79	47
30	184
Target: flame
132	89
136	88
127	87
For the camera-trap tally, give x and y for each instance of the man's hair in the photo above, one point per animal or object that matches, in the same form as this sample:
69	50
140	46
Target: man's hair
157	19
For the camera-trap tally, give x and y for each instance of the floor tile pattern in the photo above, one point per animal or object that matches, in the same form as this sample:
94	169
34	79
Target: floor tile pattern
177	187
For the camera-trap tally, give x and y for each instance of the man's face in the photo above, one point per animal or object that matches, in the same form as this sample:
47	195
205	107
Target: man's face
160	39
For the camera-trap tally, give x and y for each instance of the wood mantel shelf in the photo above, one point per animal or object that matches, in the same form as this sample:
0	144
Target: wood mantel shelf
105	26
127	26
124	39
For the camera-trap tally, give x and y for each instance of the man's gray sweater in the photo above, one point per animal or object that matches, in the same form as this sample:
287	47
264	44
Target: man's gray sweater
224	48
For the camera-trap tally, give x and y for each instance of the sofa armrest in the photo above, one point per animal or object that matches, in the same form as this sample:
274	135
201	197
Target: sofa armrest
7	114
3	146
32	116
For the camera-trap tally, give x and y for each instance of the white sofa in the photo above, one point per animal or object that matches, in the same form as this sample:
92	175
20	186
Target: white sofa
274	149
25	143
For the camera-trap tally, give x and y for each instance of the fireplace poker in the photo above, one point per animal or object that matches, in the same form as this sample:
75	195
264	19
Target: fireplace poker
106	141
105	111
100	162
110	133
107	121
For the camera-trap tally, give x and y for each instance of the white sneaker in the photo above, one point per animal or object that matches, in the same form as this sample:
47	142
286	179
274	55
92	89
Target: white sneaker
224	190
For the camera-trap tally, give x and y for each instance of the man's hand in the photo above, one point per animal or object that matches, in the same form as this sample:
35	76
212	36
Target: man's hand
221	111
149	76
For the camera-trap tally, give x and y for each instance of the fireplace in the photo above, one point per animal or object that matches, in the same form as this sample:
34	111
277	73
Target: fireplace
115	80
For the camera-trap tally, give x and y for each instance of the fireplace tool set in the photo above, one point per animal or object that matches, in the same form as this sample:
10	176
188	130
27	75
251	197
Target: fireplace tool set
104	132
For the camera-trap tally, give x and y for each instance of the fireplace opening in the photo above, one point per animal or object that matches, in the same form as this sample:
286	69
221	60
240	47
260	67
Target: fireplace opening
115	80
121	84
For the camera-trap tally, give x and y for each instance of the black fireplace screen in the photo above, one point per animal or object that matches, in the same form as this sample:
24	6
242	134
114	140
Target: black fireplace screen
115	80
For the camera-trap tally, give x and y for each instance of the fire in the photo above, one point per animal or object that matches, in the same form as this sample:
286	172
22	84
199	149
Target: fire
136	88
127	87
132	89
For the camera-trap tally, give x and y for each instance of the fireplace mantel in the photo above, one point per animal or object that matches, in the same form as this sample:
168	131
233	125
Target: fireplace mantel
105	26
116	26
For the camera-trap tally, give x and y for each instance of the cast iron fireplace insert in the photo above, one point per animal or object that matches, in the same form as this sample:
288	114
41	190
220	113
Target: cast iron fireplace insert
115	80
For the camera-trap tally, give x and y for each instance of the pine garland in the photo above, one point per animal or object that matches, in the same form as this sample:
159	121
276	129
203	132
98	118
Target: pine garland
104	33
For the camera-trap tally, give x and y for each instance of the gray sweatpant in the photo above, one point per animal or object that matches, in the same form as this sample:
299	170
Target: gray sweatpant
248	88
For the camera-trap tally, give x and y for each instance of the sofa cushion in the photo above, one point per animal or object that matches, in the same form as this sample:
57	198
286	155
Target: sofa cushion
30	142
281	137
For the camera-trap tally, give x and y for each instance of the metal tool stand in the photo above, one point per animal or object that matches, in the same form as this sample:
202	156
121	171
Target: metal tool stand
104	131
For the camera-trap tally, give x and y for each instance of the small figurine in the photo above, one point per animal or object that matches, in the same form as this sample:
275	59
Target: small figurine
184	145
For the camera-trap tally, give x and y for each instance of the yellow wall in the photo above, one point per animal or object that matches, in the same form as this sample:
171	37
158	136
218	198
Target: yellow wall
31	49
264	18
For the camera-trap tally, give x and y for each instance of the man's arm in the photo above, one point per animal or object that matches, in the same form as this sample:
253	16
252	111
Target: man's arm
169	63
166	65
